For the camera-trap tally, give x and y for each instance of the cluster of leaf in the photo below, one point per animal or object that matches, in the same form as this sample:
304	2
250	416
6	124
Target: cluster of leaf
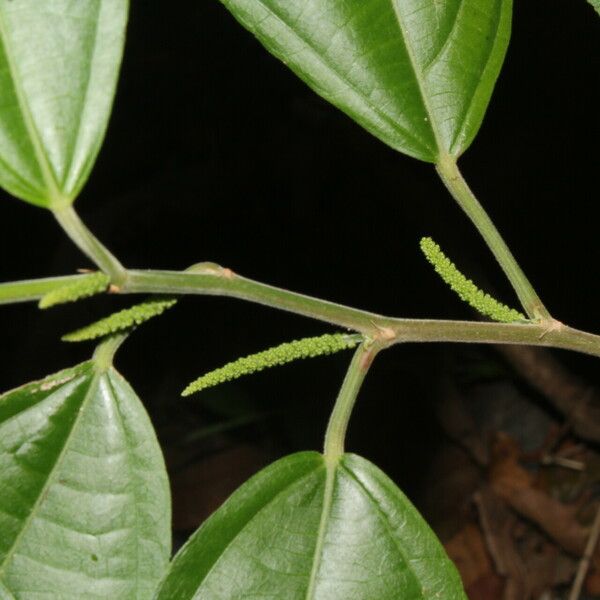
84	495
85	510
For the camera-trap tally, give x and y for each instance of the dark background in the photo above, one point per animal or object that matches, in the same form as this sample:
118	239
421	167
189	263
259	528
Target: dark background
216	152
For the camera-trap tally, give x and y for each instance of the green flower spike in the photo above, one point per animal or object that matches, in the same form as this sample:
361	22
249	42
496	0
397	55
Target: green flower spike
119	321
279	355
84	287
465	288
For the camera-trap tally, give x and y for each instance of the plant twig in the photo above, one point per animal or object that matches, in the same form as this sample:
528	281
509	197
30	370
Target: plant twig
222	282
90	245
584	564
367	323
28	290
496	522
338	422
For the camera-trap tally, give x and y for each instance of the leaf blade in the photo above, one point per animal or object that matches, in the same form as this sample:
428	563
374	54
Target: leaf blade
84	503
417	75
58	72
303	529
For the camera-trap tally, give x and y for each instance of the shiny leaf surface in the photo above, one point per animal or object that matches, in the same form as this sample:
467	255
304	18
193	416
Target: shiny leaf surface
303	530
418	74
84	496
59	63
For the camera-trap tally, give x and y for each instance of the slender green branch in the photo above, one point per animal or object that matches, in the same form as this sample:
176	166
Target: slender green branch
369	324
471	332
335	435
105	352
457	186
391	330
225	283
33	289
91	246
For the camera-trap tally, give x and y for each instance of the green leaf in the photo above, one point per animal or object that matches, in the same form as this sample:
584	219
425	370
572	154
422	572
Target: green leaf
303	530
596	5
84	496
418	74
59	63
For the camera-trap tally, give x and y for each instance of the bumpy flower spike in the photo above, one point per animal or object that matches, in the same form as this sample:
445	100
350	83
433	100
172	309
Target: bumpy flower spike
120	321
465	288
279	355
137	314
85	286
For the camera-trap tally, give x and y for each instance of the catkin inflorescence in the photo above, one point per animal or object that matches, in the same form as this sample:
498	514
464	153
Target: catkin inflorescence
84	287
279	355
120	321
465	288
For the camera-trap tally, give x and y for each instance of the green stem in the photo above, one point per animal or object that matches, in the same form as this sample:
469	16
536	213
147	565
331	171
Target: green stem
369	324
32	289
470	332
92	247
335	435
223	282
105	352
457	186
388	329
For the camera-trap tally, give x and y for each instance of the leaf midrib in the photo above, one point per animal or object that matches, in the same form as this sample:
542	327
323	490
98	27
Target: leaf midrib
389	120
56	198
114	400
250	521
86	94
419	77
331	468
51	476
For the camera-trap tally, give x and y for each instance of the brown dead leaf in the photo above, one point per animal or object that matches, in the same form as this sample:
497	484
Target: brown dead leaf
514	484
498	524
468	552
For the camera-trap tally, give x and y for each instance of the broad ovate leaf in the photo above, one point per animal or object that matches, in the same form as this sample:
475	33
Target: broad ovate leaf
59	63
304	529
84	495
418	74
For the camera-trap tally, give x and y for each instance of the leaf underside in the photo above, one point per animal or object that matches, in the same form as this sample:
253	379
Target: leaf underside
418	74
59	63
84	495
302	530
